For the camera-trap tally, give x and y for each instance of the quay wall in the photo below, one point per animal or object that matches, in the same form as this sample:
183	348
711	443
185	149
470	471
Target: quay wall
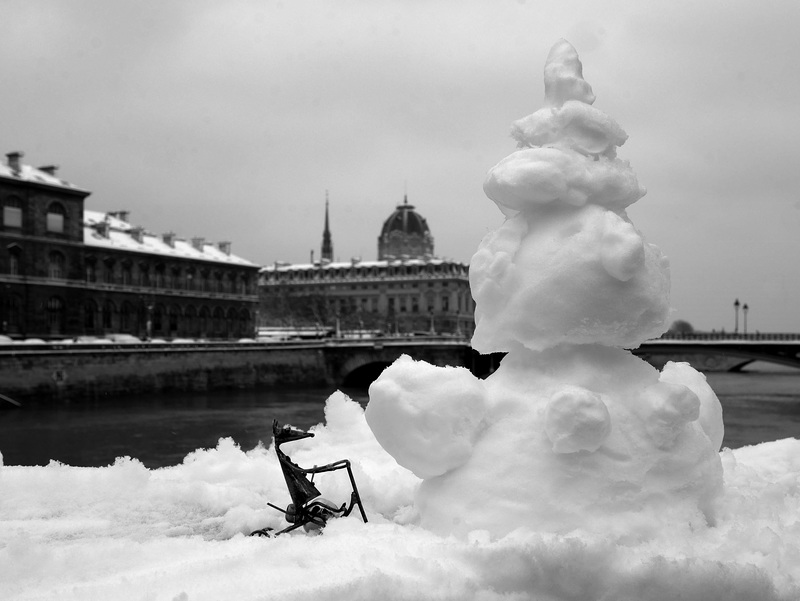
56	374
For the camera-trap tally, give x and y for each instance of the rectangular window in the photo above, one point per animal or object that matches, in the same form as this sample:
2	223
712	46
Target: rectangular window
55	223
12	216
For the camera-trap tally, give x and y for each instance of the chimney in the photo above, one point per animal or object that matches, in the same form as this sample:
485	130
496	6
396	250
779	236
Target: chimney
121	215
224	247
169	239
103	228
49	169
198	243
138	234
13	161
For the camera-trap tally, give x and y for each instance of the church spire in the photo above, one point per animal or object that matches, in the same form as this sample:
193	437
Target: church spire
327	245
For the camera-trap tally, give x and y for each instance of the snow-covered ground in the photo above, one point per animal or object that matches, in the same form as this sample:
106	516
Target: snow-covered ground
125	532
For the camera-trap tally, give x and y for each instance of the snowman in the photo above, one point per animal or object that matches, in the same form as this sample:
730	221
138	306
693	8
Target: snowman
572	431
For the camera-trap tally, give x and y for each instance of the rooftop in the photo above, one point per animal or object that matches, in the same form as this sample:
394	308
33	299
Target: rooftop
108	230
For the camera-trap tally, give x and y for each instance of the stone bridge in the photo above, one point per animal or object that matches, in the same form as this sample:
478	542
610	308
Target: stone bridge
61	372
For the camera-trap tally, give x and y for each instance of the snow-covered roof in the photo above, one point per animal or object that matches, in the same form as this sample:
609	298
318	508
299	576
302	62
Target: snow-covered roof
32	174
357	263
120	235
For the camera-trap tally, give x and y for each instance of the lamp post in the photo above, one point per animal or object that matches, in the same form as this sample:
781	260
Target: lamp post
744	315
736	311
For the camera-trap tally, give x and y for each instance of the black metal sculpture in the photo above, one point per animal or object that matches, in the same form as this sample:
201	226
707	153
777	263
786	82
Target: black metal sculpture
307	509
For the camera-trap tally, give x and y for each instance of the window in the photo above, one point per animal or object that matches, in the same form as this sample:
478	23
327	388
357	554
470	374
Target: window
12	212
56	266
56	215
108	271
14	253
55	315
127	274
91	270
12	322
174	313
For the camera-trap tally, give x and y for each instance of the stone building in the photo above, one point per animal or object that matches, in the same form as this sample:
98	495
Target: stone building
407	290
66	271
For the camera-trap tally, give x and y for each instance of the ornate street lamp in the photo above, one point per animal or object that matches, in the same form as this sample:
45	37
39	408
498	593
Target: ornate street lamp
736	311
744	314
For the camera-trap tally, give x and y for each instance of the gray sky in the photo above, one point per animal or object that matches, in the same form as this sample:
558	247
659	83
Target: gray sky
229	120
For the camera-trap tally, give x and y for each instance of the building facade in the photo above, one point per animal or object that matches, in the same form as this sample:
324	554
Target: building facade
406	291
66	271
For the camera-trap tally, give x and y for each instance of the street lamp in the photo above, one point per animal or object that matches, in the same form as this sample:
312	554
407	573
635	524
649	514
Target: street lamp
736	322
744	314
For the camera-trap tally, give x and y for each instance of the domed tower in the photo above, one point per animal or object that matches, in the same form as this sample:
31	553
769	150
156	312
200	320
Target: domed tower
405	234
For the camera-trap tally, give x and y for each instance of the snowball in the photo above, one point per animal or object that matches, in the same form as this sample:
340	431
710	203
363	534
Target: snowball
710	418
575	125
426	417
577	420
575	276
669	407
532	177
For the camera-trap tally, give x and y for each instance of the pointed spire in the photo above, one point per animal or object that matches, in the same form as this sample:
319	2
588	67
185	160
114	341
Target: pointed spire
327	244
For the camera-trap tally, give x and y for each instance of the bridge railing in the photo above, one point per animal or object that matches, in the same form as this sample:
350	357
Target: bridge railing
714	336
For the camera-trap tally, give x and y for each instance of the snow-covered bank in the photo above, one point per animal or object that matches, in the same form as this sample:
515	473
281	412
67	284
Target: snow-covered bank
126	532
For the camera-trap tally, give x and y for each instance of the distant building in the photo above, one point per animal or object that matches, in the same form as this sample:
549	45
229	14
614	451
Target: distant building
407	290
66	271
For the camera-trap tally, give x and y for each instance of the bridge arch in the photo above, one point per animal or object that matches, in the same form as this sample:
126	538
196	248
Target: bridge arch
364	375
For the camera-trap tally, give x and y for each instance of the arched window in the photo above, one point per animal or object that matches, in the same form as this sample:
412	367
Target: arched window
174	317
109	267
56	267
55	315
91	269
14	263
127	273
12	212
12	315
158	319
56	218
144	274
190	321
190	277
159	275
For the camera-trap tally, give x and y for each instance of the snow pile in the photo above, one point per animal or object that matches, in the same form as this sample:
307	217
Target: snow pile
124	532
572	431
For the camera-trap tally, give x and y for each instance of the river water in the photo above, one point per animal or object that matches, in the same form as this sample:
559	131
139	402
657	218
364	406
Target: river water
161	430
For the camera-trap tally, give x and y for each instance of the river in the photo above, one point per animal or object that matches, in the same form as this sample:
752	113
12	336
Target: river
161	430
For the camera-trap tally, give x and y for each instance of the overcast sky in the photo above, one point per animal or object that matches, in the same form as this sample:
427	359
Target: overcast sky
230	120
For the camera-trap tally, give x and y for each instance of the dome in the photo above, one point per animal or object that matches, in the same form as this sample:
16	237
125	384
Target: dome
405	234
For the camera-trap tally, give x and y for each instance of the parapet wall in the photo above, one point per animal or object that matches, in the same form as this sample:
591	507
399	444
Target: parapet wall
72	372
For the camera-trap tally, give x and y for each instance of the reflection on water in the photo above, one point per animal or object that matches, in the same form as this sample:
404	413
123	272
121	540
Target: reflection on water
162	429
